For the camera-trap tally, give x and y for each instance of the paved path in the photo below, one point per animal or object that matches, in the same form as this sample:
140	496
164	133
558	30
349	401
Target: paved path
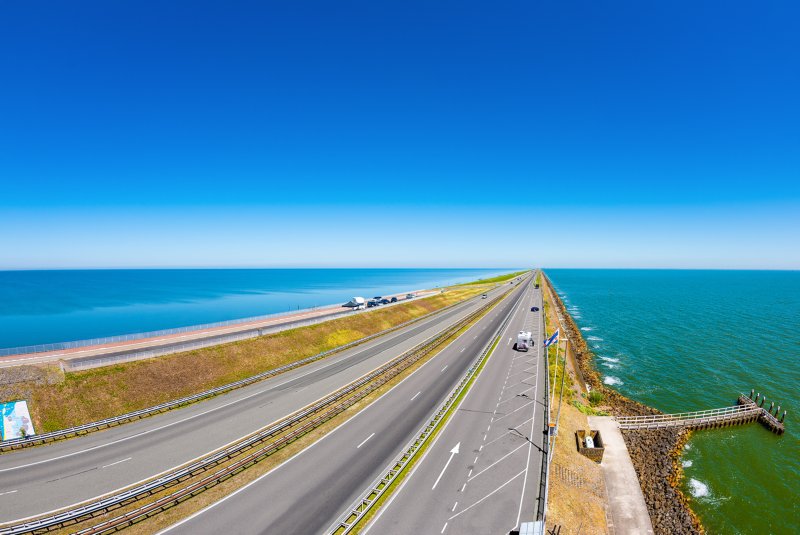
307	493
41	479
112	352
628	509
491	485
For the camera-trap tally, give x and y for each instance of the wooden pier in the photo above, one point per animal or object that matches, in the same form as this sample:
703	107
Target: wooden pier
747	409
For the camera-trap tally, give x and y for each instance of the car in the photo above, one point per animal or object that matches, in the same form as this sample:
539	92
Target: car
484	296
394	300
534	309
410	296
385	301
373	303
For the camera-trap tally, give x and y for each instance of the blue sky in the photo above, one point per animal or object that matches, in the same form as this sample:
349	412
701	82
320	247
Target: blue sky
579	134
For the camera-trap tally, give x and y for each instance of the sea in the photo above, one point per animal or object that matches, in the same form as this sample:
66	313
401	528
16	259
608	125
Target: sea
42	307
682	340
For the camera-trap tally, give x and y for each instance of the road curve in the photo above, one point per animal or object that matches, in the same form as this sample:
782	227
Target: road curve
308	492
43	479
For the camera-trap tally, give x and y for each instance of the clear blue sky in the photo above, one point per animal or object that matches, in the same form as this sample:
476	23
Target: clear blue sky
513	133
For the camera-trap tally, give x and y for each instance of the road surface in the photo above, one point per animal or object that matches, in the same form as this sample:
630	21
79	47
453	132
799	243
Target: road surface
492	484
308	492
42	479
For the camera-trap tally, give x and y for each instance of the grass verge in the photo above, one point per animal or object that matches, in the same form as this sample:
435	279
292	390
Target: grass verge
499	278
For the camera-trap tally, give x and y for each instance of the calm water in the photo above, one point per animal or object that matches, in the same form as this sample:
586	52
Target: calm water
692	340
39	307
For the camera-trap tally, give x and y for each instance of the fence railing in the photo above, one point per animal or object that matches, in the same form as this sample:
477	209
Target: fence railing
52	436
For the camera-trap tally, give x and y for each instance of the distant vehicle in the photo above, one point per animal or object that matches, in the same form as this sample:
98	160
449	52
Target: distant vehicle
394	300
534	309
524	341
373	303
356	303
410	296
385	301
484	296
378	297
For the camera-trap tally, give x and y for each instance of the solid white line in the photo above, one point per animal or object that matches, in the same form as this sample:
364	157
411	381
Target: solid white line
497	461
13	491
122	461
415	395
479	501
365	440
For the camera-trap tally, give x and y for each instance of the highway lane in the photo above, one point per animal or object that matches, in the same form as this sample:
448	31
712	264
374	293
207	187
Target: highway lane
308	492
42	479
492	484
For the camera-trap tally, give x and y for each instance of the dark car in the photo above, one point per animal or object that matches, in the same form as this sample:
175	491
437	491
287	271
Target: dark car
534	309
372	303
385	301
394	300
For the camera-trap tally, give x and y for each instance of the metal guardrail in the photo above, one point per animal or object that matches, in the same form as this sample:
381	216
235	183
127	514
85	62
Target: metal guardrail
349	520
234	450
35	440
544	479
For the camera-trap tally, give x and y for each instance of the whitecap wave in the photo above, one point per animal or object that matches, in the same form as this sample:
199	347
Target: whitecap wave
594	338
611	380
608	359
586	329
687	463
697	488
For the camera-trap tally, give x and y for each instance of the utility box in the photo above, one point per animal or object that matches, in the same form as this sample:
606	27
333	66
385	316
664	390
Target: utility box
590	444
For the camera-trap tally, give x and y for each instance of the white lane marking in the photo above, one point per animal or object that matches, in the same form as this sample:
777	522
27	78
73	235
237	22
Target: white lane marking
515	410
509	342
497	461
415	395
13	491
463	487
118	462
365	440
481	448
462	349
470	472
491	493
444	527
453	453
530	444
445	367
476	460
454	507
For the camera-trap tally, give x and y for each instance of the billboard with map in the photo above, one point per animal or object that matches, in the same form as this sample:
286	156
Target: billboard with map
16	420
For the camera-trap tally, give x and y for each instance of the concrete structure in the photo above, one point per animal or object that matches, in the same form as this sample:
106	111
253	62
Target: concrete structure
625	499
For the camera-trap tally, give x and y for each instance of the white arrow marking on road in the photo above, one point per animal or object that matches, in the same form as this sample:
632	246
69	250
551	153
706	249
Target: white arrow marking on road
452	454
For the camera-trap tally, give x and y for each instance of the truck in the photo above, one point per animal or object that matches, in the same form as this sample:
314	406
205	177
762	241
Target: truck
524	341
356	303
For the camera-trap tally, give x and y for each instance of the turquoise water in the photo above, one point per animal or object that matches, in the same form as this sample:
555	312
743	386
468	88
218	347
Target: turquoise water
693	340
38	307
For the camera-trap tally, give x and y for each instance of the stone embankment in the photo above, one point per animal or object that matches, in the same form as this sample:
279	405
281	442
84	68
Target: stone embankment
655	453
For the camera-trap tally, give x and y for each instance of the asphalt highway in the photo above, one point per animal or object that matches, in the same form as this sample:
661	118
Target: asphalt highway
43	479
308	492
492	484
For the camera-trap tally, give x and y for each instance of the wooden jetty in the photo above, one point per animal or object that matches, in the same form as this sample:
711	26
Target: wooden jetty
747	409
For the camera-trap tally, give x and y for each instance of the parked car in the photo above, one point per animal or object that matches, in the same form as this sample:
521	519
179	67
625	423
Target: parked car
410	296
385	301
484	296
394	300
372	303
534	309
